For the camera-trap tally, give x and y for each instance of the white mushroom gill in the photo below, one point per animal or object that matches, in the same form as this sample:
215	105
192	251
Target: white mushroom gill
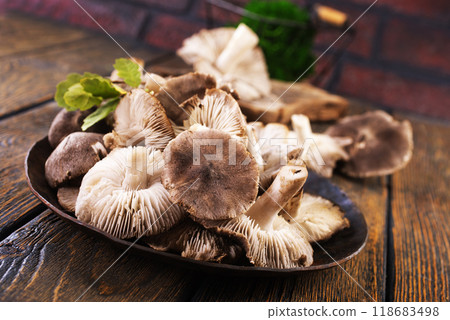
139	117
123	196
331	149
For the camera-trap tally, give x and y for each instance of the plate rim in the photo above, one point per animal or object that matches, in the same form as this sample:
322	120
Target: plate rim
186	262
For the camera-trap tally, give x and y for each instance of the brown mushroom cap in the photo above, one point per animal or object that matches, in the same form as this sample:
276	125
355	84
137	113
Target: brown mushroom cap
381	145
178	89
67	197
215	181
73	157
67	122
192	240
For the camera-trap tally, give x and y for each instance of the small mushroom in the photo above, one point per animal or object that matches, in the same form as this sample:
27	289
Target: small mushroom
331	149
270	240
153	82
73	157
67	122
123	195
231	56
317	218
178	89
67	197
192	240
139	117
216	110
381	145
210	174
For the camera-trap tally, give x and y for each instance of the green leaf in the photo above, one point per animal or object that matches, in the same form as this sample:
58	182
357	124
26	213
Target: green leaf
100	114
62	88
76	97
100	87
128	71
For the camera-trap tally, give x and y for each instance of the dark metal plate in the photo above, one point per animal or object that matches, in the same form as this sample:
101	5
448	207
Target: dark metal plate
340	248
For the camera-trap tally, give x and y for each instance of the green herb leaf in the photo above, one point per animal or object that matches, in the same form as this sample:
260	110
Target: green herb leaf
77	98
100	114
100	87
62	88
128	71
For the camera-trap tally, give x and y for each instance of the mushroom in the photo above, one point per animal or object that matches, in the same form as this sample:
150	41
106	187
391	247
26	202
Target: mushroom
216	110
192	240
178	89
331	149
270	240
381	145
286	99
275	141
67	197
153	82
139	117
317	218
73	157
67	122
123	195
210	174
231	56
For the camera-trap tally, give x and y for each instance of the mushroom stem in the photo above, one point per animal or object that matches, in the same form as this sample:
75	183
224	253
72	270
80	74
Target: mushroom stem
136	172
243	40
302	127
287	184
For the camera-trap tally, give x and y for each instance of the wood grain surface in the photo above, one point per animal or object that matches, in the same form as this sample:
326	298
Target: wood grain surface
28	77
42	258
420	260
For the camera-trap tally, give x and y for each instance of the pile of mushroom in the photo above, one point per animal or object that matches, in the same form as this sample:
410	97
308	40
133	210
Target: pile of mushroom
178	167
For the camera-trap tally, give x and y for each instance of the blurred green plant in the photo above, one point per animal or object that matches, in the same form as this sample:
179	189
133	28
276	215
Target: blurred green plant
287	48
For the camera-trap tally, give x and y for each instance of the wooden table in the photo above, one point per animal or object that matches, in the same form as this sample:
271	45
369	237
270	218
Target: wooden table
42	258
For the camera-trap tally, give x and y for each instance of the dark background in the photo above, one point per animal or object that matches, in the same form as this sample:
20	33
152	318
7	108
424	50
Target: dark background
400	58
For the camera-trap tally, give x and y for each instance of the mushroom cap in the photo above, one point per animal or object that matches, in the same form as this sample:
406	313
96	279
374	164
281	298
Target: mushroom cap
317	218
283	247
73	157
176	90
201	172
247	74
216	110
67	197
67	122
192	240
140	117
123	195
381	145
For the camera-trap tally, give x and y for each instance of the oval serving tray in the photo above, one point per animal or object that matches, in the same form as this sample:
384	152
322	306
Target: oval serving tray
340	248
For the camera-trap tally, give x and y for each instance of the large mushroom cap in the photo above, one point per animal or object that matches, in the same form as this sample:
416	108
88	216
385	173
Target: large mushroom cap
178	89
317	218
193	241
140	117
381	145
73	157
123	195
231	56
210	174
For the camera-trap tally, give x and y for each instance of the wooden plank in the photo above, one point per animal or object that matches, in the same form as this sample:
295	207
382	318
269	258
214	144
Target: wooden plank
19	36
17	134
420	265
367	269
31	78
49	260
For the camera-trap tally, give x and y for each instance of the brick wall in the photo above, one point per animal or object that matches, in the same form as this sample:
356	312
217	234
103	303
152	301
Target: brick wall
399	59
